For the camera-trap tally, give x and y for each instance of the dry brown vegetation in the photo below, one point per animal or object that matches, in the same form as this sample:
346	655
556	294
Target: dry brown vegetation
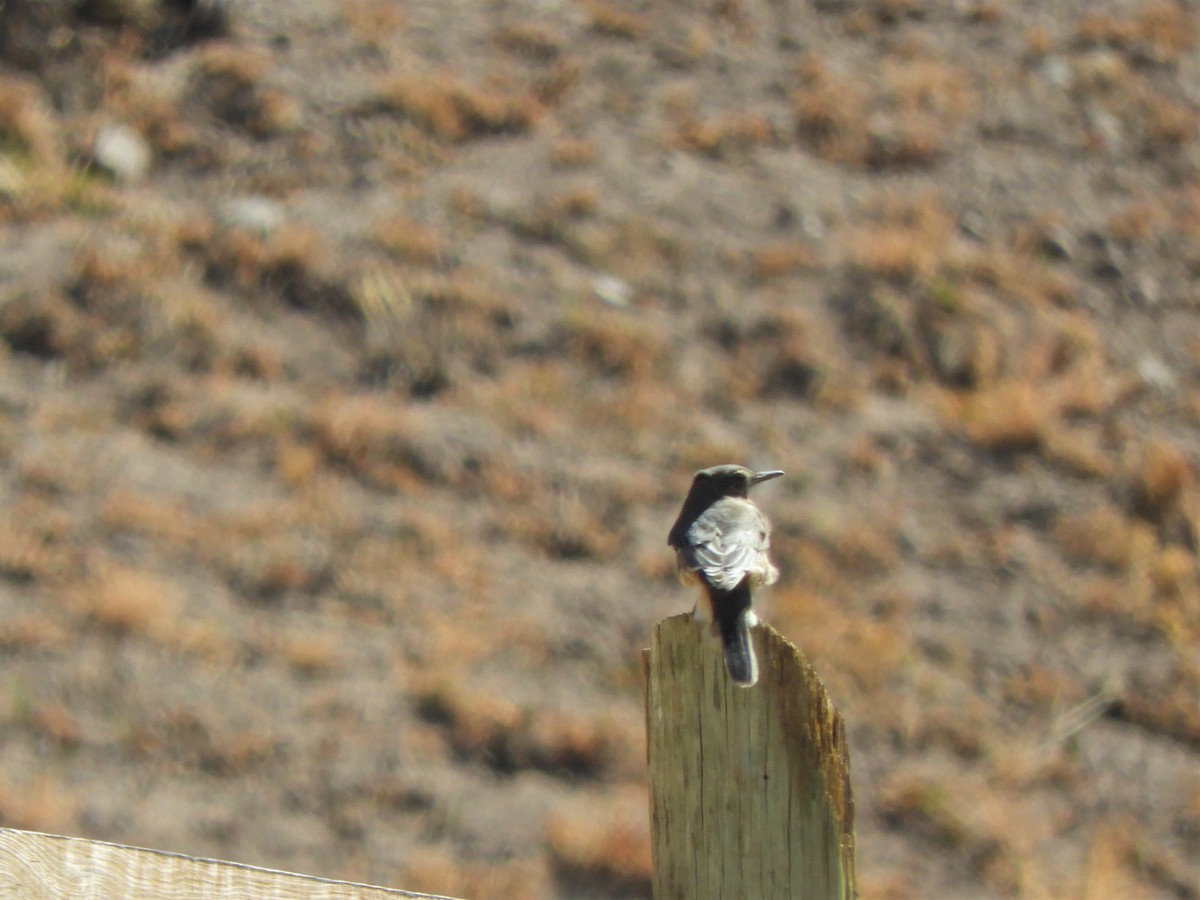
341	444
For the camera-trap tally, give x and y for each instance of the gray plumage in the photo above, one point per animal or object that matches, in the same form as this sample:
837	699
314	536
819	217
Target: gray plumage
722	540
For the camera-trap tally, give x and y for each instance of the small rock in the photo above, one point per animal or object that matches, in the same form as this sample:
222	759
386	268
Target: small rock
142	14
122	153
1143	290
952	347
812	223
1056	243
1156	374
253	213
612	290
1106	128
1056	71
1101	69
973	225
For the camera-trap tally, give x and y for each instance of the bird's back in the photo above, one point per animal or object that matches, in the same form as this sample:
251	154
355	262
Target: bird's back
725	543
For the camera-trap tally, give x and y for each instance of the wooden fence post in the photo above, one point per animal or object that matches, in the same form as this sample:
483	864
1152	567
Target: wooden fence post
749	787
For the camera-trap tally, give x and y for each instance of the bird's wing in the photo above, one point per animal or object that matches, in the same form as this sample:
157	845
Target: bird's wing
725	542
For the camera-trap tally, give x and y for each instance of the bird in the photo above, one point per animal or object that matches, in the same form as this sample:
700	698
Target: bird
721	540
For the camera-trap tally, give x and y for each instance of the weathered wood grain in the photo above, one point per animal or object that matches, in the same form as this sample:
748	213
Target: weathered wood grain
37	866
749	787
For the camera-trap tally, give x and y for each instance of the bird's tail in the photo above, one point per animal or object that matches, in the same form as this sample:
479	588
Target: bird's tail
733	619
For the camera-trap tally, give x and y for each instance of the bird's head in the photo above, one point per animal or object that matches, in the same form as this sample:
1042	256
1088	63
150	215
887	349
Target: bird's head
729	480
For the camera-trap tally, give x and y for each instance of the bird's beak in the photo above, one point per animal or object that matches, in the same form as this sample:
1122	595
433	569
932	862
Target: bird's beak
759	477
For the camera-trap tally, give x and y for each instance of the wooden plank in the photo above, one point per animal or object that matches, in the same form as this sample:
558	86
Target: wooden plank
37	866
749	787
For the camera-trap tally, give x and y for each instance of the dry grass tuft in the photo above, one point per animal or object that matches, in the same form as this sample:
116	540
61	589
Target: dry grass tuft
533	41
898	116
905	241
866	547
120	263
1160	479
493	730
128	601
555	217
861	654
308	654
190	738
1040	688
986	322
292	263
781	259
47	326
955	812
886	885
410	241
1077	451
1167	124
55	722
430	331
441	872
829	110
41	803
166	519
269	568
724	137
567	524
26	556
373	22
1011	415
1159	587
1173	714
787	354
478	725
1105	536
571	152
614	344
297	465
1176	600
32	631
230	84
1110	869
27	127
587	745
995	831
1161	31
378	439
454	110
1189	809
610	20
609	845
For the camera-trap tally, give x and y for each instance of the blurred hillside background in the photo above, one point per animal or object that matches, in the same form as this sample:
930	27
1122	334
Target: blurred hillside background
355	356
